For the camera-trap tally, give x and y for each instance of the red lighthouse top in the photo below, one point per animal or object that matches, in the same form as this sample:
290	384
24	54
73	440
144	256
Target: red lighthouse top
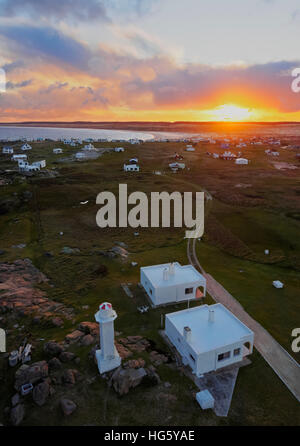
105	306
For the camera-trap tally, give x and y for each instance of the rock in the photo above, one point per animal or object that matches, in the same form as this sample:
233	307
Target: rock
89	328
125	379
57	322
167	385
67	250
69	377
40	393
152	377
73	337
31	374
77	360
87	340
17	414
68	406
15	399
123	351
158	358
66	356
54	364
135	363
2	252
52	348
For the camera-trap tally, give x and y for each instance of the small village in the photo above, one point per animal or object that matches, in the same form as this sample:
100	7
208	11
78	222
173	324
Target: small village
145	321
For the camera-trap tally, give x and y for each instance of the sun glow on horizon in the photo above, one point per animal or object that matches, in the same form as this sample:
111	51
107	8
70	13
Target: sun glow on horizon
231	112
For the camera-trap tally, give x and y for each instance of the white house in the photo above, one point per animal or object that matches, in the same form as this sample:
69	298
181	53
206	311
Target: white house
89	147
17	157
131	168
119	149
57	151
80	155
24	166
208	337
241	161
26	147
177	166
172	282
40	164
7	149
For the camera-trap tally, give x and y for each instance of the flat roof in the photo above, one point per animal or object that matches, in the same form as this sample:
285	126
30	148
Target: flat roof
182	275
206	336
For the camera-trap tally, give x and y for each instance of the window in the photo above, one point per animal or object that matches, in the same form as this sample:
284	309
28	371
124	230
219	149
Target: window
236	352
223	356
150	290
189	290
192	357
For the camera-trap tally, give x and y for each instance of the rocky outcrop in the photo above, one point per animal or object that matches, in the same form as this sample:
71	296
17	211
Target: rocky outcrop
17	414
52	348
67	406
40	393
18	292
125	379
31	374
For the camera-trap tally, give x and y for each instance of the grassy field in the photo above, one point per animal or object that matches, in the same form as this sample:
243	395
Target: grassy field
241	223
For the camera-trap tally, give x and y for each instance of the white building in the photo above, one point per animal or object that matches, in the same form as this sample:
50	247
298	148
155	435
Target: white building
8	150
57	151
107	357
172	282
177	166
119	149
89	147
24	166
26	147
17	157
208	337
80	155
40	164
131	167
241	161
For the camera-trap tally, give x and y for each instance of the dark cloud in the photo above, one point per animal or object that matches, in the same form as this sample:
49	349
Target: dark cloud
76	10
47	43
9	67
13	85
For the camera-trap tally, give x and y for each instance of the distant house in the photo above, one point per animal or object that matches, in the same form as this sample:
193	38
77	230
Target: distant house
228	156
131	167
26	147
190	148
7	149
24	166
89	147
241	161
216	155
40	164
19	157
208	337
119	149
172	282
80	155
177	166
57	151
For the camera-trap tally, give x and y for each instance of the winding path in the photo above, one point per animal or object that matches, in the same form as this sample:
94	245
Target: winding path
276	356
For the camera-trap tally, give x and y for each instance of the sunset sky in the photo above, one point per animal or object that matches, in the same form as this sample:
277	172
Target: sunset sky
149	60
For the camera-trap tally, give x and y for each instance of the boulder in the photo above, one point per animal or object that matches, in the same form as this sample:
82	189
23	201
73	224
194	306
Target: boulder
87	340
73	337
125	379
57	322
52	348
66	356
89	328
54	364
17	414
15	400
68	406
69	376
31	374
40	393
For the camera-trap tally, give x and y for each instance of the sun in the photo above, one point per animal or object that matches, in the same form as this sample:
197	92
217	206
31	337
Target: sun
231	112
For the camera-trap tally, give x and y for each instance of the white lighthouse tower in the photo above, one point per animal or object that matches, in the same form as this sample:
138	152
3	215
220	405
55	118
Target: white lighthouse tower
107	357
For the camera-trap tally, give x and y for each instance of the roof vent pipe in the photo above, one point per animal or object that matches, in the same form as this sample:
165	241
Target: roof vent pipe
171	269
211	316
166	274
187	334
